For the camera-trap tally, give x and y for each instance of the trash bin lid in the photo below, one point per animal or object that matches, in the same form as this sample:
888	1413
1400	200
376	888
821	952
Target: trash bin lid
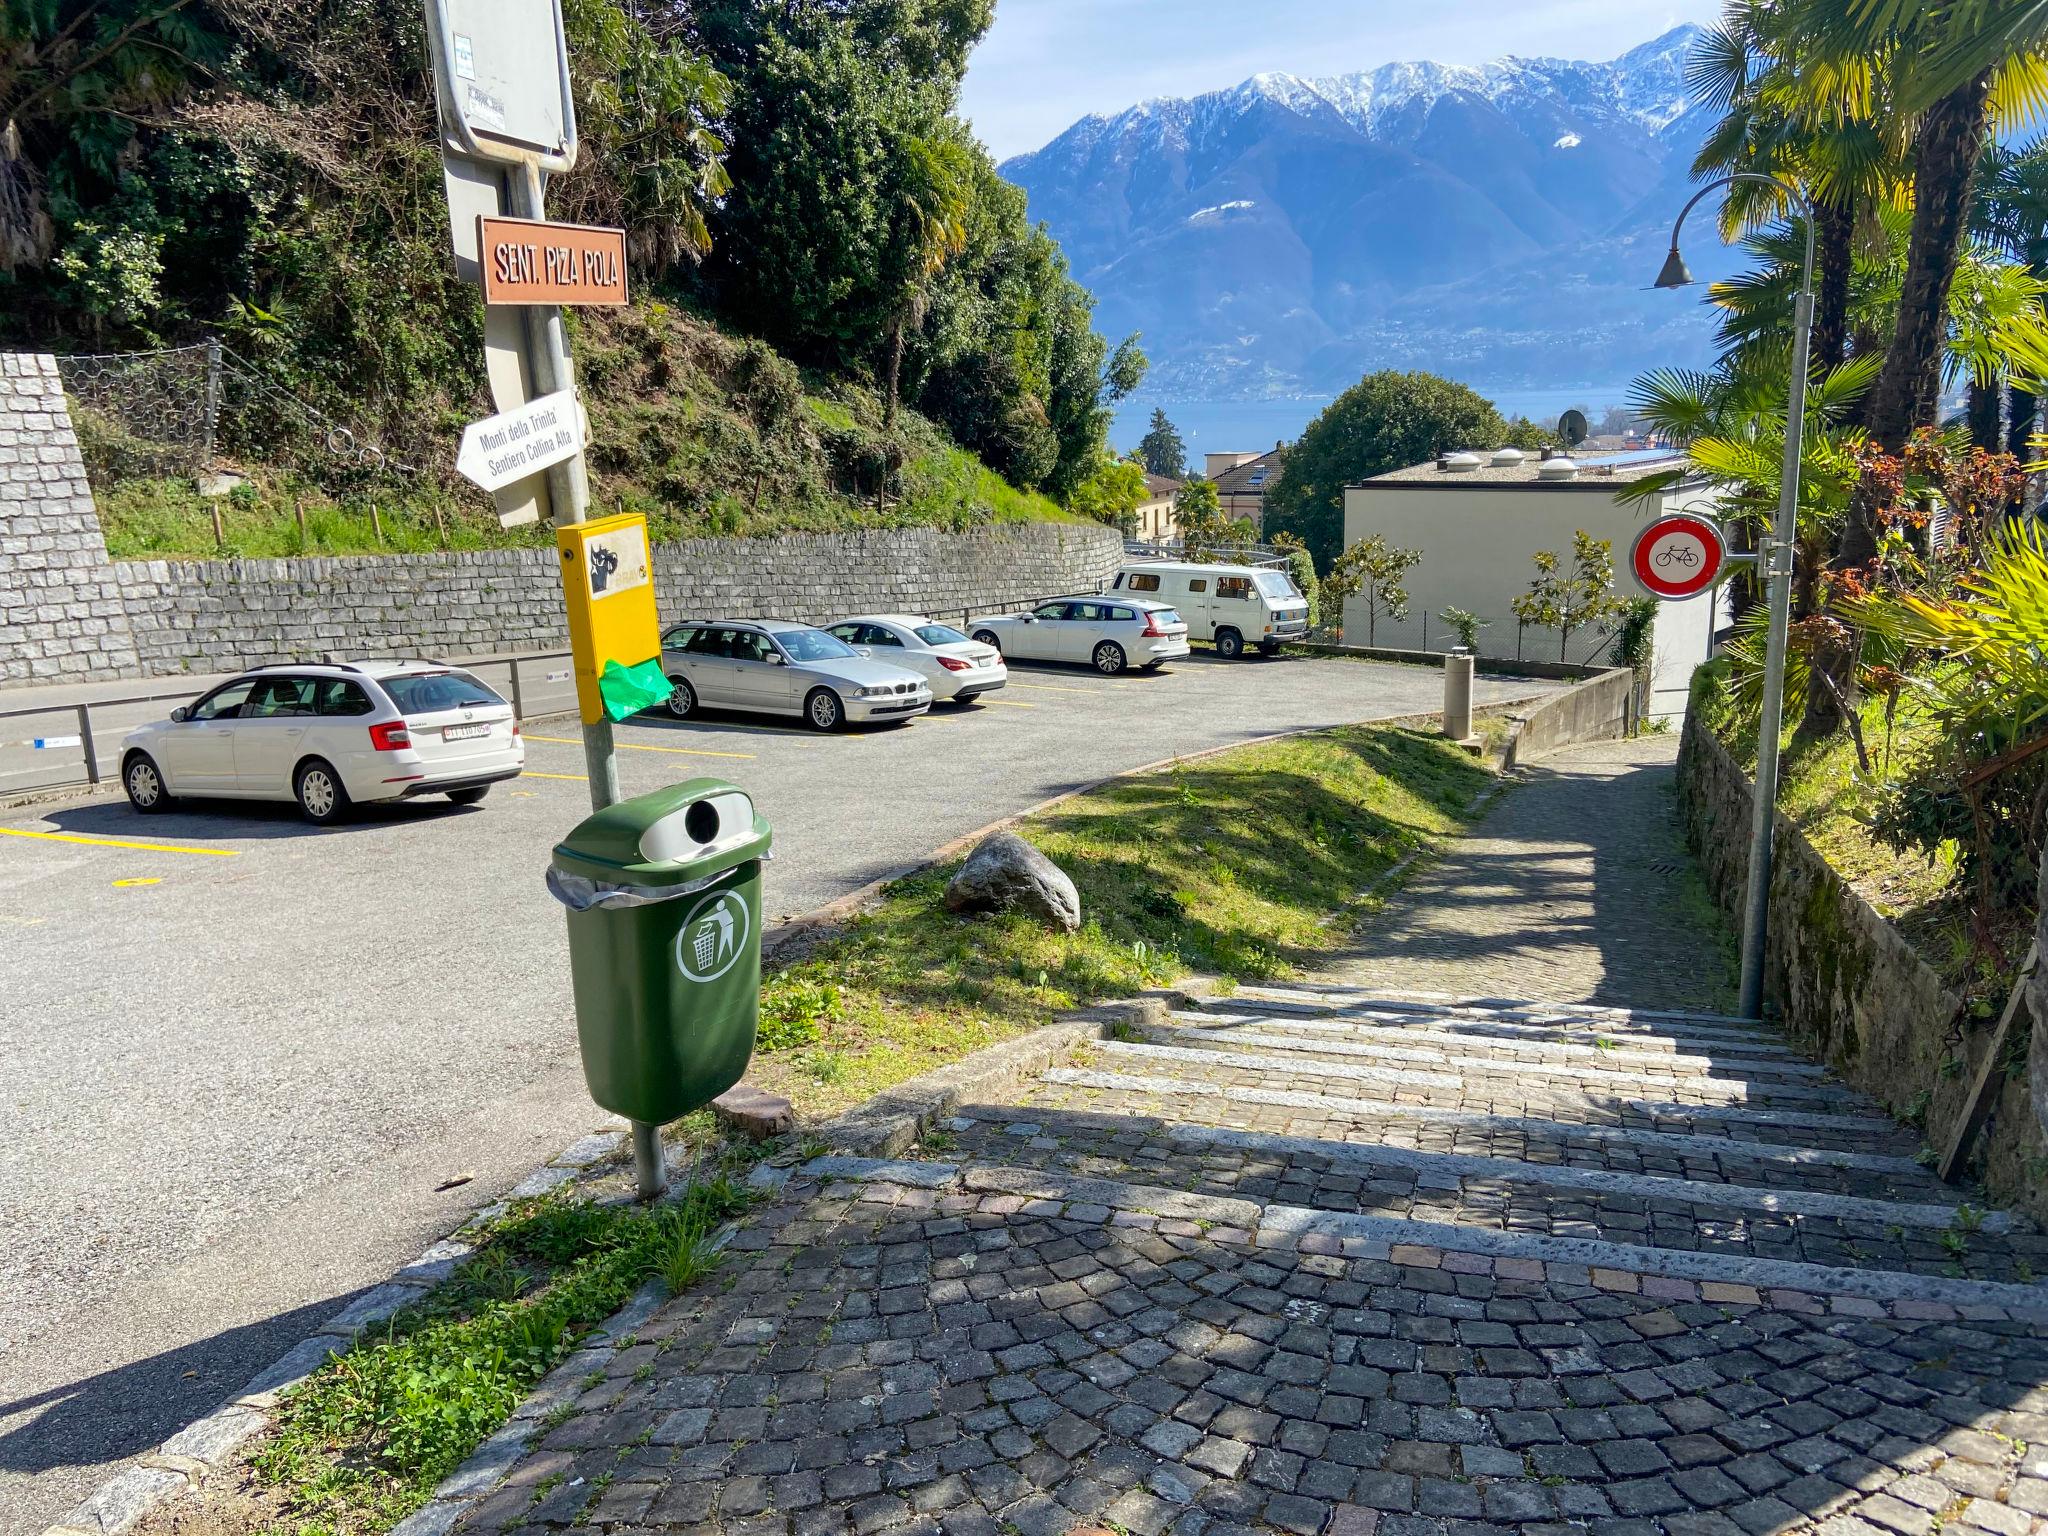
674	836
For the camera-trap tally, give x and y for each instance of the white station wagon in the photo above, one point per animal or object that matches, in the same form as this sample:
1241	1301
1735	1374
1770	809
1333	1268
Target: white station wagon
1110	634
329	735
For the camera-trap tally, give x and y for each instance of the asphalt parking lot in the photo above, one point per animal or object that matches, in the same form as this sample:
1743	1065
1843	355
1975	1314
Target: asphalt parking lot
241	1058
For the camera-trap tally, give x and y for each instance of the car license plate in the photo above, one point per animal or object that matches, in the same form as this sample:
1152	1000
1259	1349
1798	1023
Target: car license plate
464	732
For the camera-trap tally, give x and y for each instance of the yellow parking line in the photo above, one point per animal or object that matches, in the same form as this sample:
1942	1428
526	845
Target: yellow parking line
580	778
115	842
1052	688
634	746
1010	703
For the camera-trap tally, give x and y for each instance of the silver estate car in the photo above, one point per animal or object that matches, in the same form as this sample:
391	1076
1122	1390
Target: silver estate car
775	668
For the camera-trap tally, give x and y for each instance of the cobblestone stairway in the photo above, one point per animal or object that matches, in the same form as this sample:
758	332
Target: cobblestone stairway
1681	1133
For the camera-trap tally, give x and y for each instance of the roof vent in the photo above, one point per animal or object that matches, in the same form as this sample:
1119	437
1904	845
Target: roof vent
1461	463
1558	468
1507	458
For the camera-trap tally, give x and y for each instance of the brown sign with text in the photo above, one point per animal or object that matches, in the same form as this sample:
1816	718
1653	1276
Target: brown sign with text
528	262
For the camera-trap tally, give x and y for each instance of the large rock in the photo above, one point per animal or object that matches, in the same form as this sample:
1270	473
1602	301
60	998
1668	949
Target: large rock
1007	874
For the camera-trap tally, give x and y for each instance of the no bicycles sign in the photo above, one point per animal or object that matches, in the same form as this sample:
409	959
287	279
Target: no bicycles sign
1679	556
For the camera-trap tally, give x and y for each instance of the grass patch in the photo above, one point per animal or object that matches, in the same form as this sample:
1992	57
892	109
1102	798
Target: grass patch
364	1441
1250	865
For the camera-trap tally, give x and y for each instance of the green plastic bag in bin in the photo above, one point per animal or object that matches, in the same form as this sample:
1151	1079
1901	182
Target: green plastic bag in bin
628	690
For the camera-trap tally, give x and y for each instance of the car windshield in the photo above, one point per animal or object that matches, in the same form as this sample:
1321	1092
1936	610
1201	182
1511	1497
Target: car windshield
1278	584
811	645
428	693
940	634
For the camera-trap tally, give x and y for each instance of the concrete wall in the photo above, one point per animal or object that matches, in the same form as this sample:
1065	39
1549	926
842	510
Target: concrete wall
1478	543
61	614
1600	709
211	616
1849	986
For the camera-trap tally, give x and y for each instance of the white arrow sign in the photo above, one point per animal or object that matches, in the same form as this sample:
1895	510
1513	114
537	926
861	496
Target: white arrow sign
522	442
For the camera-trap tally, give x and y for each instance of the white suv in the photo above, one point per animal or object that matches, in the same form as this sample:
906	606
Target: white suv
329	735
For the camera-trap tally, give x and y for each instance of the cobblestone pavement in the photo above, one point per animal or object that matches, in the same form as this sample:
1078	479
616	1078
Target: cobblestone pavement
1333	1260
1577	886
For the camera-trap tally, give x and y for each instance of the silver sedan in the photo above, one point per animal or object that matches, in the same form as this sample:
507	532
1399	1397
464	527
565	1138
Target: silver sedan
956	667
770	667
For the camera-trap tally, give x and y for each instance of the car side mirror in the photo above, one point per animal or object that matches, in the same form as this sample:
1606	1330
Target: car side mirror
1030	618
776	659
181	714
864	650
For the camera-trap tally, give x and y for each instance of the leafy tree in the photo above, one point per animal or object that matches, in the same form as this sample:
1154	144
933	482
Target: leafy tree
1301	566
1198	515
1569	600
932	188
1112	494
1385	421
1376	571
1162	449
2012	215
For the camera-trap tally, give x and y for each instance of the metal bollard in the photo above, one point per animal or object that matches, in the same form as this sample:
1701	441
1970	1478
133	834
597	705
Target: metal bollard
1458	695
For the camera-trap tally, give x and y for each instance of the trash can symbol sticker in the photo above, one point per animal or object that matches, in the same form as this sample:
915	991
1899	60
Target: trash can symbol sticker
714	936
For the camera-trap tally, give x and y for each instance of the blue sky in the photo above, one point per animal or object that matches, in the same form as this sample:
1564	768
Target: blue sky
1047	62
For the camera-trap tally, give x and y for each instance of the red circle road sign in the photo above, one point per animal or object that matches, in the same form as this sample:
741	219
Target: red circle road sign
1678	556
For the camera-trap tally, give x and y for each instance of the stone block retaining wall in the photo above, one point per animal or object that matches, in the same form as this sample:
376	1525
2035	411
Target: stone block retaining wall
210	616
1850	987
61	609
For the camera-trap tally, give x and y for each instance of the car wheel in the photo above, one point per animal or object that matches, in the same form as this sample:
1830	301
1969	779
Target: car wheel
144	782
967	701
472	796
1229	644
1269	649
682	699
988	638
824	710
1110	658
322	798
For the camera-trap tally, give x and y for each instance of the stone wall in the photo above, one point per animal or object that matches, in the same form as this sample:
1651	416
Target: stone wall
61	614
1850	988
211	616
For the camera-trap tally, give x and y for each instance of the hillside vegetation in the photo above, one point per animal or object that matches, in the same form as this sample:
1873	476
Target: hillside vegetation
845	316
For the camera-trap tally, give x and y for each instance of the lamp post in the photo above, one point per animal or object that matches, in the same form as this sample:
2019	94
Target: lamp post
1775	560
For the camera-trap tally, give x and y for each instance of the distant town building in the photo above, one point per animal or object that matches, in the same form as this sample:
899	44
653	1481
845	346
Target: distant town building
1479	520
1156	522
1241	481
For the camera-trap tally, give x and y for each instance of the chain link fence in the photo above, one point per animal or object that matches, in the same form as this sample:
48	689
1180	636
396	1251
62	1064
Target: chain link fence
188	411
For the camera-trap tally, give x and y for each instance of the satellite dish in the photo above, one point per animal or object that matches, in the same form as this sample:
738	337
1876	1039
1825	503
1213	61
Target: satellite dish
1571	426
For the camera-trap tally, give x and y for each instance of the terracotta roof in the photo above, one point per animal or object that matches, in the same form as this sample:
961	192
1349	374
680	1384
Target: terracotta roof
1160	485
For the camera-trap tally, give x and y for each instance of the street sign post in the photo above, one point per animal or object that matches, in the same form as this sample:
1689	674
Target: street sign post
1678	556
515	444
508	120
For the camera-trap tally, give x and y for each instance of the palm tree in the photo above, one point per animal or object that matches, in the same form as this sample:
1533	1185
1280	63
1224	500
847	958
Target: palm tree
2012	216
1807	120
934	195
1955	69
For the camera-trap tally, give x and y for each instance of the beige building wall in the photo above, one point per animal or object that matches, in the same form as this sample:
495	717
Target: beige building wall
1478	544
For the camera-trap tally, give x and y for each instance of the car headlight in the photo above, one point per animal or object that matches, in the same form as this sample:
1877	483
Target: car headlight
872	693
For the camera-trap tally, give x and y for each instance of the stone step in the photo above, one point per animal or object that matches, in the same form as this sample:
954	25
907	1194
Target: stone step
1337	994
1838	1127
1619	1149
1406	1185
1633	1037
1430	1062
1518	1043
1616	1267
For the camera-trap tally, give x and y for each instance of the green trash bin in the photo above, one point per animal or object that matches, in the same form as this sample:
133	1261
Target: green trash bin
664	899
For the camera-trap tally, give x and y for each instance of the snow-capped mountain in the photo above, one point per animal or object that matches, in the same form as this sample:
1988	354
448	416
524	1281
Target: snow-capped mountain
1496	222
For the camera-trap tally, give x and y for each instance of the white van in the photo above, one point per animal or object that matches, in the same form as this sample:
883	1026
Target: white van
1231	605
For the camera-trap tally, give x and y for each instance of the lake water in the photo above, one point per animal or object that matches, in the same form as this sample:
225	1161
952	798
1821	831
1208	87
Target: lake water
1245	426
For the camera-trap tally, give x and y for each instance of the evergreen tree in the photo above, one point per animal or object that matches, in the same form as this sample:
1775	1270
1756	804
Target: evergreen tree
1162	449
